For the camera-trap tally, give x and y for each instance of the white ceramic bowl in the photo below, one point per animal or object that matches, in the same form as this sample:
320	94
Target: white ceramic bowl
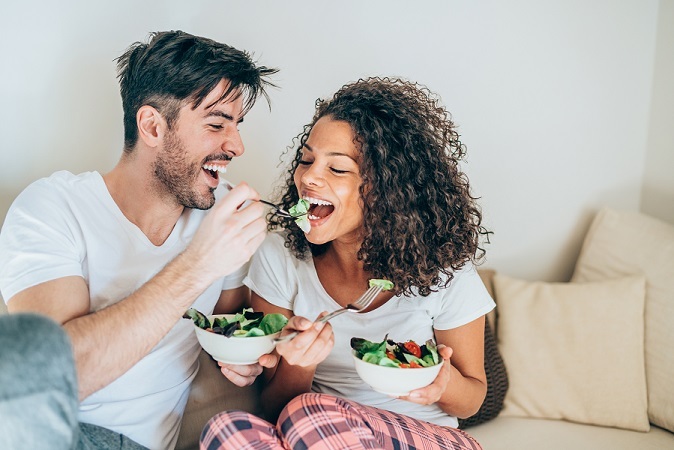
395	381
234	350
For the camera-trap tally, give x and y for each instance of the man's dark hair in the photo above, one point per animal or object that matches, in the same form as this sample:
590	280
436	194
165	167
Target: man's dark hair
175	66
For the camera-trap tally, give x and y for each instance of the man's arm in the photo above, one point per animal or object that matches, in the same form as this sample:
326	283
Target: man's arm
109	342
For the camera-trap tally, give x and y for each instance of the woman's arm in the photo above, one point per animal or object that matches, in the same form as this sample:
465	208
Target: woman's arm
461	385
298	358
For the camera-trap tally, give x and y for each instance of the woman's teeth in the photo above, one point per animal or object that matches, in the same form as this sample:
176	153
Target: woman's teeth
316	201
319	202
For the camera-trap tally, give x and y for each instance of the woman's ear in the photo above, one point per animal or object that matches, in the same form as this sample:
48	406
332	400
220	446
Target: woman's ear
151	125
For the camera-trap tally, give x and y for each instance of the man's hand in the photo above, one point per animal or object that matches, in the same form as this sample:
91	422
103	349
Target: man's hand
228	235
245	375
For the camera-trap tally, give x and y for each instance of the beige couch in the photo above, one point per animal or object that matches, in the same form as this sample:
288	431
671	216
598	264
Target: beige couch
589	362
562	395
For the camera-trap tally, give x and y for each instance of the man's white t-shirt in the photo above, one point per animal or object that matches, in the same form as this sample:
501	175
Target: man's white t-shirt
69	225
290	283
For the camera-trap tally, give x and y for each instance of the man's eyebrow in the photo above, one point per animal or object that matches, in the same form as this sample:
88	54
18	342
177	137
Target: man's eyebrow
331	153
217	113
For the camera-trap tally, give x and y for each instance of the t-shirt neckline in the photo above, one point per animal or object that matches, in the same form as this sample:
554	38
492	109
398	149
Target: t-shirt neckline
130	227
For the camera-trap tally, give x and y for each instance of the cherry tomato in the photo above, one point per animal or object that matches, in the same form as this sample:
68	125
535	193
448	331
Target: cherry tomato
413	348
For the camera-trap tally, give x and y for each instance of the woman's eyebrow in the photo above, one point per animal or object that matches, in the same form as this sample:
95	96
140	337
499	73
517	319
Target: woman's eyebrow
331	153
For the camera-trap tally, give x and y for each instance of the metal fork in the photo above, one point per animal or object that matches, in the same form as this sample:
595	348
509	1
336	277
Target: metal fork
276	209
280	211
361	303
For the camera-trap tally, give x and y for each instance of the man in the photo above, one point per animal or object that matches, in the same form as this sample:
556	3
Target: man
117	259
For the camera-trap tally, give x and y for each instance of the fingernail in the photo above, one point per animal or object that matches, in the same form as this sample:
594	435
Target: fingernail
414	395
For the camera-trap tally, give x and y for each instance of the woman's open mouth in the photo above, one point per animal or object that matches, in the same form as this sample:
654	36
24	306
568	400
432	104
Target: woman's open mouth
319	209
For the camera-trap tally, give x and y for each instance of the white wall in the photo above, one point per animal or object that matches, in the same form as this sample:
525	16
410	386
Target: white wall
552	98
657	195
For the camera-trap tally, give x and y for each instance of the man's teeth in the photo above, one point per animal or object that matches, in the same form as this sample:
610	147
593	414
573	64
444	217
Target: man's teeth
316	201
215	168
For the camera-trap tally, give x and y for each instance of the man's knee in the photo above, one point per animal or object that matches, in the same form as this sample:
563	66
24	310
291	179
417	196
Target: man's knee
35	353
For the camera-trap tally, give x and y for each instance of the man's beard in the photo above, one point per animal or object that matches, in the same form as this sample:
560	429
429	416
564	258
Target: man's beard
177	175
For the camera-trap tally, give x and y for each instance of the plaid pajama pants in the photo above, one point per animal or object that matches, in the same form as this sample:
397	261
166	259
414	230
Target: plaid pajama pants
322	422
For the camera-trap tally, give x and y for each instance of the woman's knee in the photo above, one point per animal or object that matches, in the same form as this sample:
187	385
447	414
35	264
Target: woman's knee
236	429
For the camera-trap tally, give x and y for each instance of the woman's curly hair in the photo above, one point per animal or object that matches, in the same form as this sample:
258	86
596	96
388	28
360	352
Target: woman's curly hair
420	220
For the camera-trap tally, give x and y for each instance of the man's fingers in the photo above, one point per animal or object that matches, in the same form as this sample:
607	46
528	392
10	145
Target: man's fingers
237	196
241	375
268	361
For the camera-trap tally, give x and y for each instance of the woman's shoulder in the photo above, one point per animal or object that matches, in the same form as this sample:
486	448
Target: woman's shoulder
465	278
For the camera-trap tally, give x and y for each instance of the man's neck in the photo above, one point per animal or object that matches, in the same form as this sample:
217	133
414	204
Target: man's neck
131	189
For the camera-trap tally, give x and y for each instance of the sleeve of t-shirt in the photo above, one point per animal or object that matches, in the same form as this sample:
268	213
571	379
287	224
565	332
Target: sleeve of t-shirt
272	274
235	279
463	301
38	241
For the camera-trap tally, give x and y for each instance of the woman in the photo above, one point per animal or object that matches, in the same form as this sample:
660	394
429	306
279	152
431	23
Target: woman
379	164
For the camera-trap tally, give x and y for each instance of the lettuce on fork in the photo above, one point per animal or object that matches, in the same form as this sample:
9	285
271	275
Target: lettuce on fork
300	212
385	285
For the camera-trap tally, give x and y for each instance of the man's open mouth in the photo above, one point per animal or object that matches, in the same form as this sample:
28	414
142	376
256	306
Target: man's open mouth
214	170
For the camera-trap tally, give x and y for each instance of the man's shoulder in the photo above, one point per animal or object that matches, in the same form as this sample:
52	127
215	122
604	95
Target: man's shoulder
62	182
56	195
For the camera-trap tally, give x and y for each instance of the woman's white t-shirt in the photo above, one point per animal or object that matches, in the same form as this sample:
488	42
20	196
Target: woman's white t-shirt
285	281
69	225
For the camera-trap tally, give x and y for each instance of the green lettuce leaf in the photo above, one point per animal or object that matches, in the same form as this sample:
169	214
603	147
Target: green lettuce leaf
385	285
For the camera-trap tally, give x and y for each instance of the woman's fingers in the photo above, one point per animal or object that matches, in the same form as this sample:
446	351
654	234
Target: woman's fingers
311	346
433	392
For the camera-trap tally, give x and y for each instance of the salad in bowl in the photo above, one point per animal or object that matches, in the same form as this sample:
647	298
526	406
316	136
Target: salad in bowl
384	365
239	338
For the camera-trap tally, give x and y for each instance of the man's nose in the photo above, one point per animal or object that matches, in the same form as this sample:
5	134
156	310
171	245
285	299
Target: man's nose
233	144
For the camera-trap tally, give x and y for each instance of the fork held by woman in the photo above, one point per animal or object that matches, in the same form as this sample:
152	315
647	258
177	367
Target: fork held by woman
359	305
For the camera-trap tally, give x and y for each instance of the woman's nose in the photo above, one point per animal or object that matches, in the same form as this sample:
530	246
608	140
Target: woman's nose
312	176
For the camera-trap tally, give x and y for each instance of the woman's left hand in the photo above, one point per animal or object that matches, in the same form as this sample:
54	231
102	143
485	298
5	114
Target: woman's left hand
432	393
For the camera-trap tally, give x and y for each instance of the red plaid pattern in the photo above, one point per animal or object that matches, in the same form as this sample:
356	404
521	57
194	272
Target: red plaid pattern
325	422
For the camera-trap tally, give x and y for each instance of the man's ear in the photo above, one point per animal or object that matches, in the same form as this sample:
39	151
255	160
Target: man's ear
151	125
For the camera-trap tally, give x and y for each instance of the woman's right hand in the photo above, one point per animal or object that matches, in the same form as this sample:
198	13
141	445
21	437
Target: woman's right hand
311	346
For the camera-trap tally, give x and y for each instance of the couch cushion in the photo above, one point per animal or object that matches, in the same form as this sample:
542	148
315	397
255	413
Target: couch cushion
508	433
574	351
621	243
